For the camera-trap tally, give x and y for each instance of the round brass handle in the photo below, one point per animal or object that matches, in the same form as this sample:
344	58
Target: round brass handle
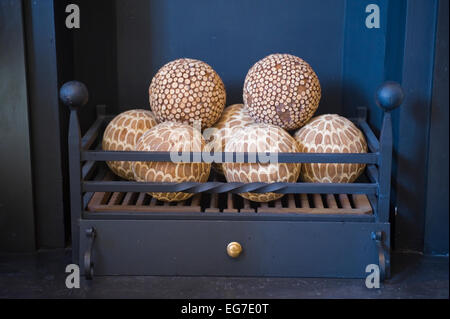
234	249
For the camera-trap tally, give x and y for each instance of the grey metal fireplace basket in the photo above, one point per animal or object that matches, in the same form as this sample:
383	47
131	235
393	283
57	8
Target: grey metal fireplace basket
317	230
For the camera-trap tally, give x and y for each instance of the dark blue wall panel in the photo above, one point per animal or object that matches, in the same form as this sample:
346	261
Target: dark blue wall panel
45	120
139	36
364	59
436	224
414	124
17	223
95	50
401	50
230	35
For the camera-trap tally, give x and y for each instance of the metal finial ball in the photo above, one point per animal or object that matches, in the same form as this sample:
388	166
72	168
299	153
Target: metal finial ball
389	96
74	94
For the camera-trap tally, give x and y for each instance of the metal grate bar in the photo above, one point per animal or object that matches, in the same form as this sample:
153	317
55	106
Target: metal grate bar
304	200
220	187
358	158
327	204
230	204
345	202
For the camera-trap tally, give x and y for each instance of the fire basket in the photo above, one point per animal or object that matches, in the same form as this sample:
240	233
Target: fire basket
317	230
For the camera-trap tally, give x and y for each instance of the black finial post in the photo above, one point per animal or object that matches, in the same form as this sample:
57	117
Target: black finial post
74	95
389	96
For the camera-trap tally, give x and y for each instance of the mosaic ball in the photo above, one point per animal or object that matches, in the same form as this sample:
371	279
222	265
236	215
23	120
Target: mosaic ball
331	133
171	137
233	118
185	91
122	134
260	137
282	90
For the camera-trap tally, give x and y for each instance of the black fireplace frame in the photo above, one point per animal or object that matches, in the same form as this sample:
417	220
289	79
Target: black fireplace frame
87	226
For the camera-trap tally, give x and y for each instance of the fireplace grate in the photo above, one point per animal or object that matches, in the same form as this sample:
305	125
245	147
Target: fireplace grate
316	229
230	203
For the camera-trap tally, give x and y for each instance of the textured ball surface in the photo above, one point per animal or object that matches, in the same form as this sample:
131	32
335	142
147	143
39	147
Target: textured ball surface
261	137
233	118
331	133
122	134
186	90
171	137
282	90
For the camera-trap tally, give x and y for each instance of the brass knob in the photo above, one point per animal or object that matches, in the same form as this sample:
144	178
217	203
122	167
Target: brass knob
234	249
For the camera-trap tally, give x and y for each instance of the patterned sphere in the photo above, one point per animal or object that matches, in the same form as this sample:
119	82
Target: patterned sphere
185	91
331	133
171	137
282	90
259	137
233	118
122	134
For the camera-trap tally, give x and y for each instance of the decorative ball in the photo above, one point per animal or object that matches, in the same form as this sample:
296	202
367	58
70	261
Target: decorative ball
171	137
122	134
260	137
187	90
331	133
282	90
233	118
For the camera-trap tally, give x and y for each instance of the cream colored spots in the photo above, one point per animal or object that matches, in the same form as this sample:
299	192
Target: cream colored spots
331	133
234	117
186	90
282	90
171	137
122	134
261	138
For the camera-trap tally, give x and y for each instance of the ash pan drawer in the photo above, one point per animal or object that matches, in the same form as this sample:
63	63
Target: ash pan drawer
199	248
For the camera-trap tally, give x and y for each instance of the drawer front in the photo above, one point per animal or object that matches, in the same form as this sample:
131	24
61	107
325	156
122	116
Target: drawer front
199	248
